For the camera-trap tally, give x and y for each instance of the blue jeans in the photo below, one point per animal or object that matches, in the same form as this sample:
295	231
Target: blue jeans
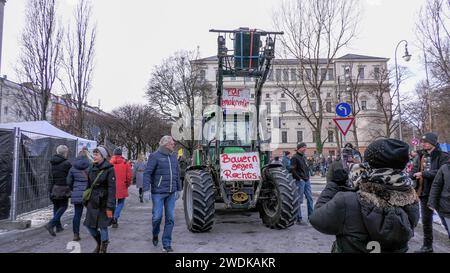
119	207
77	218
103	233
59	207
304	188
164	201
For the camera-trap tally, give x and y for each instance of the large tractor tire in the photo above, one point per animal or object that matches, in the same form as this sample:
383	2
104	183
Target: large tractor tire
279	205
198	199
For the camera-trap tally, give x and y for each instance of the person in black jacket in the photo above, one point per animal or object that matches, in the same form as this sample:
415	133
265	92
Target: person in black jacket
100	207
440	195
429	161
77	179
58	189
300	172
382	209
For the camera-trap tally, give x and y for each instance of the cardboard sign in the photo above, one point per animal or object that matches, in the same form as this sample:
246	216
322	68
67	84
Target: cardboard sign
240	167
236	99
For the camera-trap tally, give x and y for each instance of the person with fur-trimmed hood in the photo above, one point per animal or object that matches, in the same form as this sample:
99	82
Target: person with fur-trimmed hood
382	207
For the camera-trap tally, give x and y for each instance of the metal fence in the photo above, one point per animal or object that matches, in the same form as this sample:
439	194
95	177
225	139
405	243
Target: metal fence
30	169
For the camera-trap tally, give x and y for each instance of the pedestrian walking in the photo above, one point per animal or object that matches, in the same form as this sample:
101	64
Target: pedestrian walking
300	172
429	161
382	208
286	161
138	176
124	176
440	195
162	174
58	189
102	201
77	180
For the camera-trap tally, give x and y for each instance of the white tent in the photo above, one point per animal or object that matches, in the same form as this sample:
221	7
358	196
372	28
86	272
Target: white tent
45	128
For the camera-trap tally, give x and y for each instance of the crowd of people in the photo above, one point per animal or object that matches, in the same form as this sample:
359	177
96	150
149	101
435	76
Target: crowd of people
376	198
379	197
100	184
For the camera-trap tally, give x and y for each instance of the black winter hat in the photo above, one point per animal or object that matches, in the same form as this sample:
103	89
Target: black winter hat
301	145
431	138
387	153
117	151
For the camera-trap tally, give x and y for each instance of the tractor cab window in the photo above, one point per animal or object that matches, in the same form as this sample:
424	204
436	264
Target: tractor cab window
237	129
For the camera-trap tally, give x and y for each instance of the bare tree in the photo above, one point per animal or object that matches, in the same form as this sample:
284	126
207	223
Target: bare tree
433	30
174	88
79	62
315	31
40	58
387	123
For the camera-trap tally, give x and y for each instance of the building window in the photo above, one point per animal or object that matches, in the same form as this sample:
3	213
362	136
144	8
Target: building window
297	95
5	110
270	76
202	74
299	136
278	75
283	107
286	75
267	95
284	137
308	73
283	95
252	95
330	74
268	107
376	72
233	78
361	73
314	136
330	136
293	74
328	106
323	74
363	105
314	106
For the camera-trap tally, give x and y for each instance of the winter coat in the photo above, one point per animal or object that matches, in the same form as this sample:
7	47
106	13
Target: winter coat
59	168
103	195
438	158
373	213
440	191
162	172
138	174
124	175
286	161
77	179
299	167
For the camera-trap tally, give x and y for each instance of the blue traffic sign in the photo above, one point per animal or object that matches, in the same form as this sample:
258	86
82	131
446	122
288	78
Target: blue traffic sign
343	109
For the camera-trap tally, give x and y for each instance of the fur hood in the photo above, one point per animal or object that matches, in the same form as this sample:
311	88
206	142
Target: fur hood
383	197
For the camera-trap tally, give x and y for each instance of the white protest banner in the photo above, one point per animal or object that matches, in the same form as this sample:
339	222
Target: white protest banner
240	167
236	99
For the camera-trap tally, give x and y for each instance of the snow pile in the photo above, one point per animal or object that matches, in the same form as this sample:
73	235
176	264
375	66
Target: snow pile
42	216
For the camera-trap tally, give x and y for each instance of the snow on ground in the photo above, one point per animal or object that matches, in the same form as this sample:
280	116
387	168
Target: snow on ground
42	216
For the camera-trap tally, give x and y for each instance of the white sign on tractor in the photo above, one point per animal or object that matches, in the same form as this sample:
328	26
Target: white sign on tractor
236	99
240	167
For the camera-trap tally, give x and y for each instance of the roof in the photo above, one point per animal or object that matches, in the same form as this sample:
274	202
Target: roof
359	57
295	61
45	128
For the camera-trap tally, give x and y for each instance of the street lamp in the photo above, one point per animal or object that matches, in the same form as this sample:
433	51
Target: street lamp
406	57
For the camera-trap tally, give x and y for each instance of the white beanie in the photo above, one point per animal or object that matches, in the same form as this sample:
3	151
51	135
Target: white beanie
102	151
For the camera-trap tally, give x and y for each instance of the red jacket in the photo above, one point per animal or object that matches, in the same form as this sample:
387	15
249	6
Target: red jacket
124	175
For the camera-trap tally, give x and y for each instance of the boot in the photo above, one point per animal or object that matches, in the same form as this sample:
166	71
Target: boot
76	237
425	249
115	223
141	198
50	230
104	247
97	239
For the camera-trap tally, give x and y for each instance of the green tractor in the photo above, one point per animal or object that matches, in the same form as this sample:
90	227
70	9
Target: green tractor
231	165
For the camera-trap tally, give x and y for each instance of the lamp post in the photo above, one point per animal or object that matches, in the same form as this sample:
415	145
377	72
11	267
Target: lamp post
406	57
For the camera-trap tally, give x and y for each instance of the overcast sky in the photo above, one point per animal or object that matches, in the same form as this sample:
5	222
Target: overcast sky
135	35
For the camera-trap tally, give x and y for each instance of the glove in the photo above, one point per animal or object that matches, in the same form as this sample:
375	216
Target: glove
109	213
177	195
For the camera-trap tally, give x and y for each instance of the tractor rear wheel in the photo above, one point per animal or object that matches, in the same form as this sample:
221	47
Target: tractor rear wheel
199	199
279	203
